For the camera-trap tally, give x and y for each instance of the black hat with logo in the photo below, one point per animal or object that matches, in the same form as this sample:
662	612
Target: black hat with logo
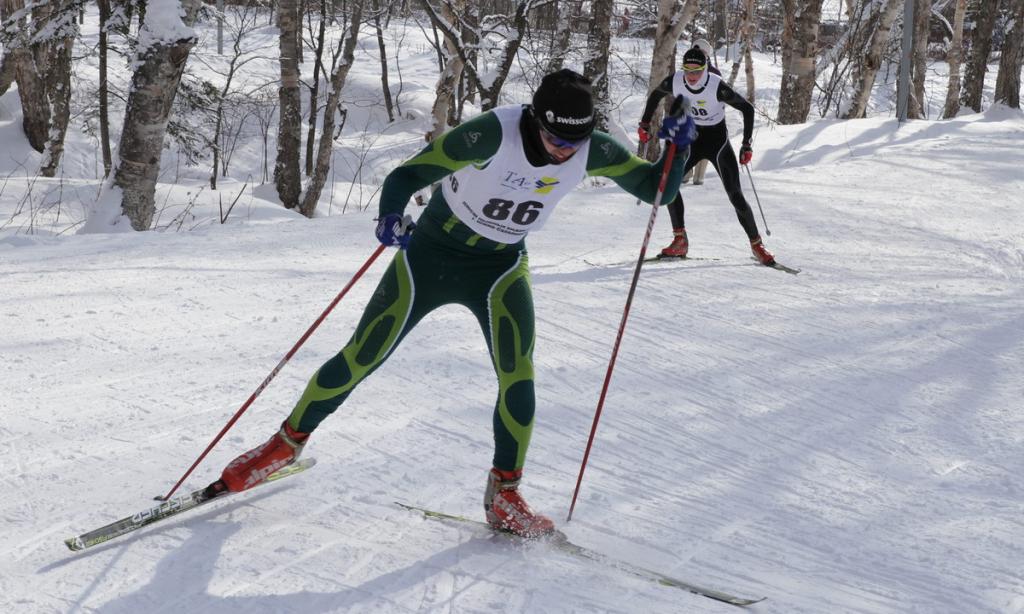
695	56
564	105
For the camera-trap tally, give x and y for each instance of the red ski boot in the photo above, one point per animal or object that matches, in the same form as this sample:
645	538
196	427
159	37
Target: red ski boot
761	252
255	465
507	511
679	246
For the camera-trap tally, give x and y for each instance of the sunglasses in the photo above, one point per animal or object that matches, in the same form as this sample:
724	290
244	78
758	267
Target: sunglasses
558	141
693	68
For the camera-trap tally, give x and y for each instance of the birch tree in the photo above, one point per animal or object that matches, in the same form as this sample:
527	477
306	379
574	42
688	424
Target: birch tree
746	38
1008	78
450	74
382	48
165	41
919	58
314	88
866	70
20	64
56	68
563	34
341	68
287	176
953	58
984	13
598	48
512	28
104	107
673	17
799	48
37	55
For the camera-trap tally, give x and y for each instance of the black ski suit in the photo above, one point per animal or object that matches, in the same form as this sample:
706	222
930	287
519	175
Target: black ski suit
708	111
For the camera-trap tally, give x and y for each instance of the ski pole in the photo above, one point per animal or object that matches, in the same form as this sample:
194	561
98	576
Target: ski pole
625	313
758	199
273	373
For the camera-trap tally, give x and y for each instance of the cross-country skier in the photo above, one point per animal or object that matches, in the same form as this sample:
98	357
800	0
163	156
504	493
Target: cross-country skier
501	174
701	167
709	95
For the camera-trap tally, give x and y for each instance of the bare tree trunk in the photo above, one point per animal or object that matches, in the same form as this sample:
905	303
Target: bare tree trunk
867	68
449	79
104	6
323	158
7	7
1008	78
153	88
919	61
58	89
287	177
673	16
563	35
598	47
471	37
386	88
8	10
984	12
720	33
246	23
953	58
314	89
490	85
746	38
35	117
799	48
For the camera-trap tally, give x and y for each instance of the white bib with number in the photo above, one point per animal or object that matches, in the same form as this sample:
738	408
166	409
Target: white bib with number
506	197
705	107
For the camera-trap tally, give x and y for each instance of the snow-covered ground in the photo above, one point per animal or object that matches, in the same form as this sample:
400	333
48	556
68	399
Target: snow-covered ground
845	440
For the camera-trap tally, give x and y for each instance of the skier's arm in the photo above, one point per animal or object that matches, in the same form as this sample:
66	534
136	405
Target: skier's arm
729	96
609	158
474	141
664	89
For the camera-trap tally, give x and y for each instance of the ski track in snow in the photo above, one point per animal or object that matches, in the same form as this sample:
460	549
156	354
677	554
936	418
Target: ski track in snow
843	440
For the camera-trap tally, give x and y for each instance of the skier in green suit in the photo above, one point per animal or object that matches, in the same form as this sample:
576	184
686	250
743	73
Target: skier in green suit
501	175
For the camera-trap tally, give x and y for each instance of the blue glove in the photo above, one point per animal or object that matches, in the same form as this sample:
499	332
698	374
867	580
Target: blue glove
680	130
393	229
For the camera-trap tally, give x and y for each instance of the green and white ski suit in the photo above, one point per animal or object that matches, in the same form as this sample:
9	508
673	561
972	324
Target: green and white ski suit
468	249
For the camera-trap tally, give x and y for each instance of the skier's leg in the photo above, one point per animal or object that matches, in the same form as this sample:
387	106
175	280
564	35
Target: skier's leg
676	212
507	320
728	169
505	313
407	291
391	313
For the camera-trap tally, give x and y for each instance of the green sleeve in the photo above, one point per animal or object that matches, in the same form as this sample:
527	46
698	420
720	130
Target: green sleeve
475	141
609	158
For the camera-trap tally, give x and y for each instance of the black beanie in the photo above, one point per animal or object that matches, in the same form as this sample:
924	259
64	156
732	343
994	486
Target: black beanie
564	105
694	56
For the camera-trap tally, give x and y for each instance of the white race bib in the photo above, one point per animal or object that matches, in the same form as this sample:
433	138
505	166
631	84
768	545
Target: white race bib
705	108
506	197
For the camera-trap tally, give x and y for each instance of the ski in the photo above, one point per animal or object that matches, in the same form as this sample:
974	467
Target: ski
784	268
653	259
170	508
560	541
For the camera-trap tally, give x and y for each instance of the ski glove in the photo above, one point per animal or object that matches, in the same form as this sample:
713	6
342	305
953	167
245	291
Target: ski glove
393	229
680	130
746	153
644	132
